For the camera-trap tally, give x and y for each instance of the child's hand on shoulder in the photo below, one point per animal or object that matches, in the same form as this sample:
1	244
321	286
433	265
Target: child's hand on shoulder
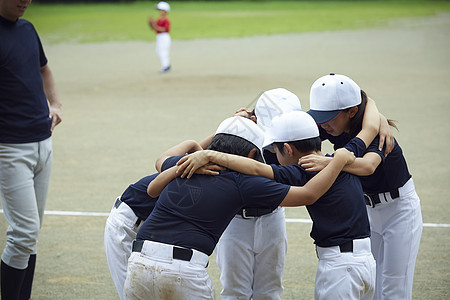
345	155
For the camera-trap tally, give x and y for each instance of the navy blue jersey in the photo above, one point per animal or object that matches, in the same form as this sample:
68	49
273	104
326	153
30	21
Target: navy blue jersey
24	112
269	158
338	216
390	174
136	197
193	213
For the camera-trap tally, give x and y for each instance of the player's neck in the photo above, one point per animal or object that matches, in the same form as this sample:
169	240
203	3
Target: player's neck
301	154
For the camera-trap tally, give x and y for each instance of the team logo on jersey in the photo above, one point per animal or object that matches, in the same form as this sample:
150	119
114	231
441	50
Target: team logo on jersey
180	198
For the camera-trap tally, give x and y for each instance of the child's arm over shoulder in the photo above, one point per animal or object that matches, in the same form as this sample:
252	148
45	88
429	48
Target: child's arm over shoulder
190	163
157	185
184	147
320	183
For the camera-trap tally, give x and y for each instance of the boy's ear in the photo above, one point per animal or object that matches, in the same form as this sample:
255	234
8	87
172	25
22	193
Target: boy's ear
252	153
352	111
288	149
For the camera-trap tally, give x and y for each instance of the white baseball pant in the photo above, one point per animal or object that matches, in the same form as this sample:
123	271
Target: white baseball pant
153	273
396	227
348	275
120	231
163	42
250	256
24	179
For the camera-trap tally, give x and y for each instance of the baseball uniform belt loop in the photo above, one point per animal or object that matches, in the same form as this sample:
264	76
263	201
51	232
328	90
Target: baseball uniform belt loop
374	199
250	213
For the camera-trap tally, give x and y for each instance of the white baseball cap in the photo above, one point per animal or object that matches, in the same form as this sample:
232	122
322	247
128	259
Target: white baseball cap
289	127
244	128
274	102
330	95
163	6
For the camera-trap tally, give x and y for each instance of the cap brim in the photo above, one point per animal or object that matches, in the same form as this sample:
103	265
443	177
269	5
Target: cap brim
268	144
321	116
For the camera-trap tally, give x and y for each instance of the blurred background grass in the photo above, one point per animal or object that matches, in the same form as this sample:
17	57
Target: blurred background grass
191	20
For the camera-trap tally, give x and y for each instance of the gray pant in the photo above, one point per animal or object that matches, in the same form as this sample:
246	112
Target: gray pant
24	179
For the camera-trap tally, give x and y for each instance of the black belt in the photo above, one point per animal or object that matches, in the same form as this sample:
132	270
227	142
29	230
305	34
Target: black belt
374	199
178	252
249	213
117	203
346	247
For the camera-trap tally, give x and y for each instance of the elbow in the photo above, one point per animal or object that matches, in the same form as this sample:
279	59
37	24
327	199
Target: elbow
151	192
44	68
368	170
153	195
311	200
158	164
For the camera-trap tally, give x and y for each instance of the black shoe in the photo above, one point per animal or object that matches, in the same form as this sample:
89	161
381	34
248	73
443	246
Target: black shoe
165	70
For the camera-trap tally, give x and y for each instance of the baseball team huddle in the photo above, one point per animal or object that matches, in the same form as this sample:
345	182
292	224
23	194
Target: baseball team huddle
226	194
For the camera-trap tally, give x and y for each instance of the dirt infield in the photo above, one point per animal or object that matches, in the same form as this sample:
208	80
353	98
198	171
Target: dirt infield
120	114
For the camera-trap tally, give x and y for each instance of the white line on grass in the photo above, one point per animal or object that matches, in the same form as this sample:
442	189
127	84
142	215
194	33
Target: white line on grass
95	214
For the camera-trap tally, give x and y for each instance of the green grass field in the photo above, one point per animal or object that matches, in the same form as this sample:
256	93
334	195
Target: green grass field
191	20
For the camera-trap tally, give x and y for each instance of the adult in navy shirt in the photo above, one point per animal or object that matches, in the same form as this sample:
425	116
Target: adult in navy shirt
172	246
27	89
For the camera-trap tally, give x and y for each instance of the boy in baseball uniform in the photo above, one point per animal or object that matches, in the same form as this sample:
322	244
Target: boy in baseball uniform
127	214
252	250
163	41
337	105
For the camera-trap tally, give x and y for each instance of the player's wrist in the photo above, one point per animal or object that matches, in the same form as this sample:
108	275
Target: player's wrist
209	154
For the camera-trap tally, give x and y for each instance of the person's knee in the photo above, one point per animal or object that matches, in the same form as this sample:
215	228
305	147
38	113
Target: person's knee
24	238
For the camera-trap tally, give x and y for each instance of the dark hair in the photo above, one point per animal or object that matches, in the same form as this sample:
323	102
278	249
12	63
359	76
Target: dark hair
356	121
306	145
233	144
